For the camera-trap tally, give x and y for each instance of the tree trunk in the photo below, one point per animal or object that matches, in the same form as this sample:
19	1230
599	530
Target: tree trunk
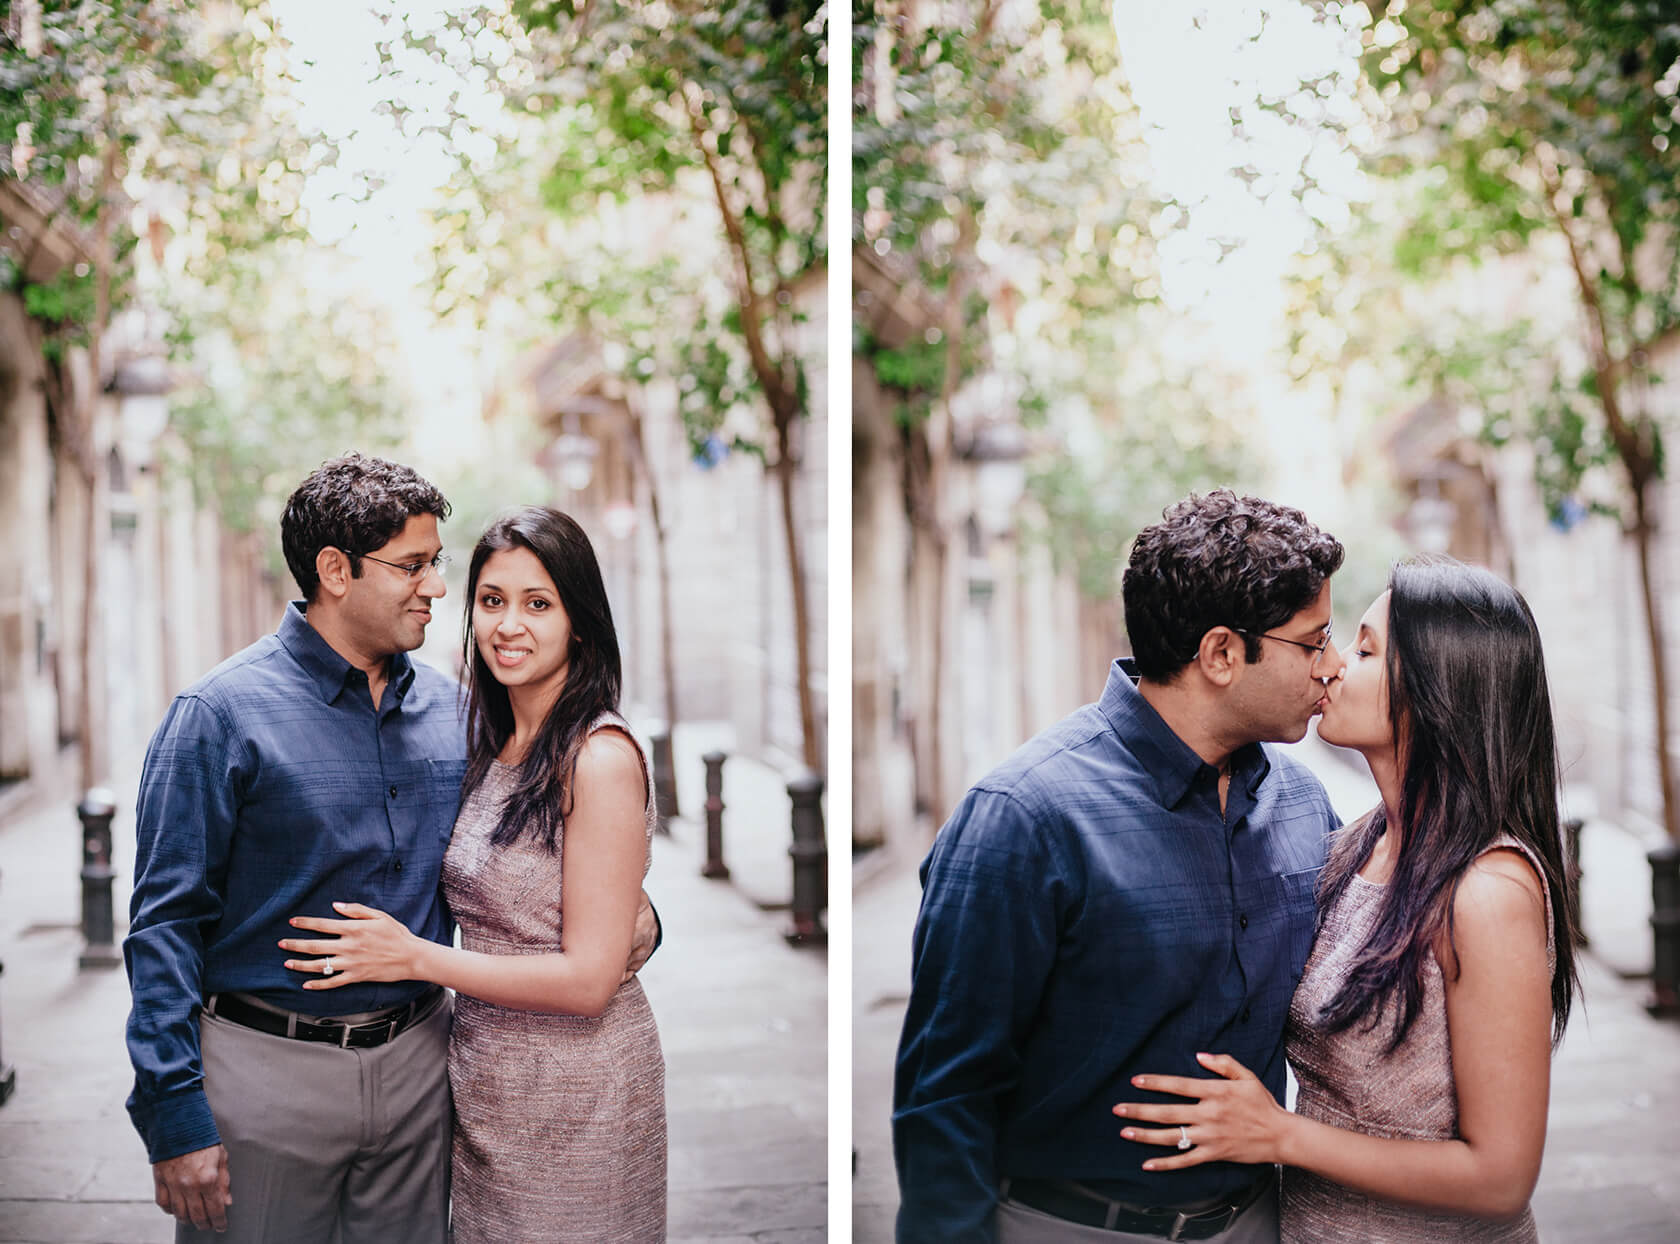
785	469
667	659
662	570
924	473
1635	443
784	408
95	764
662	562
1643	540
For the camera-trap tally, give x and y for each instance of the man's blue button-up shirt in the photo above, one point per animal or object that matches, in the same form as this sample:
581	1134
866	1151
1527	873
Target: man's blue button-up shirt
272	788
1088	914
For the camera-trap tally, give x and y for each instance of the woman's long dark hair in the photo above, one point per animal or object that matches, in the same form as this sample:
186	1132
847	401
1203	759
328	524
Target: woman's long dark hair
542	795
1469	703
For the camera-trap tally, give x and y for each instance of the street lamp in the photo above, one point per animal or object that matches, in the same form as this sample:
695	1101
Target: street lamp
143	383
620	518
1429	521
998	451
573	455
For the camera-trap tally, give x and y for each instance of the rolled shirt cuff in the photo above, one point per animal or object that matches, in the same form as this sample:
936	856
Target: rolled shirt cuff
173	1125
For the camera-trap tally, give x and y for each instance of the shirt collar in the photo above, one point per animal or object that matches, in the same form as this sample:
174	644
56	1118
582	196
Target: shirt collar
324	665
1168	759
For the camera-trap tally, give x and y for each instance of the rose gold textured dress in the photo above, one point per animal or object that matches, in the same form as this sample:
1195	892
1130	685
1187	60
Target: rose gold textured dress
559	1119
1347	1081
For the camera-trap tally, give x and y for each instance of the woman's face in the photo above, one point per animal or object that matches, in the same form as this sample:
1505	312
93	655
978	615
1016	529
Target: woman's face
523	631
1356	702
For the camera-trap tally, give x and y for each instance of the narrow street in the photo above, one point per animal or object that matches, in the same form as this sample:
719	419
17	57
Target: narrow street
742	1017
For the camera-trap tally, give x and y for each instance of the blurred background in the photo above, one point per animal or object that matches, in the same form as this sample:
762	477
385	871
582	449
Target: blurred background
544	252
1410	265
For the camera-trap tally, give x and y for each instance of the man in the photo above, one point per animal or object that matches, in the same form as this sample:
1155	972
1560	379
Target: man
1133	886
320	763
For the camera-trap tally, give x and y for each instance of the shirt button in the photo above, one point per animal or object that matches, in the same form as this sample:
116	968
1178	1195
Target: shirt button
399	869
393	792
1242	921
1247	1011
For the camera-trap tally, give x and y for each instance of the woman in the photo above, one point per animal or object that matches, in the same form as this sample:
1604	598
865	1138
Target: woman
555	1064
1422	1028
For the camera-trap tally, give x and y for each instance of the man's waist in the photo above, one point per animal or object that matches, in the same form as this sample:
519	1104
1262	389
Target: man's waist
1198	1187
357	1030
1098	1159
283	989
350	1004
1082	1203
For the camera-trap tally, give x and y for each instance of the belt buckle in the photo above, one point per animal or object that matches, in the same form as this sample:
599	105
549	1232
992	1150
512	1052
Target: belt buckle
1182	1220
344	1036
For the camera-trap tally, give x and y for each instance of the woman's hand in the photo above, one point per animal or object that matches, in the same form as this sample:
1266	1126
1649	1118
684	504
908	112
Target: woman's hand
369	946
1234	1119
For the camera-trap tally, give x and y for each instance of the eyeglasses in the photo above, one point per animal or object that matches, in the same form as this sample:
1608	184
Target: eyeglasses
412	569
1316	649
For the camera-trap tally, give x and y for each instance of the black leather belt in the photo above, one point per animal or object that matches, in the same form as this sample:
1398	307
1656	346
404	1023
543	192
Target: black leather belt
1063	1198
374	1029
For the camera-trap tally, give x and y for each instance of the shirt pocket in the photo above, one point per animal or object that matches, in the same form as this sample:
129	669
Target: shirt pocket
443	794
1300	912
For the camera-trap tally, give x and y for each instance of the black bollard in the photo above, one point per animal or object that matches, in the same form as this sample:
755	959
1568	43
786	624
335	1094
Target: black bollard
8	1073
1665	930
714	866
1572	878
664	778
98	920
810	861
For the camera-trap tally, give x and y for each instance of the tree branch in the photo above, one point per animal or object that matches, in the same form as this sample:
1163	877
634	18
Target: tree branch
752	327
1635	456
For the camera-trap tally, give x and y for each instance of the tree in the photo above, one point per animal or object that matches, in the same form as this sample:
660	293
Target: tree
1006	229
289	369
1556	118
732	97
106	102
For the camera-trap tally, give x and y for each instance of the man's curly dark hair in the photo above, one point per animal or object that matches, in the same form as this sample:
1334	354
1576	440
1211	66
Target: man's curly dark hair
354	503
1219	560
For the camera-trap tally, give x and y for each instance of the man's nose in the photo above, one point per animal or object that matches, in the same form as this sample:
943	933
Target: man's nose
1330	663
432	584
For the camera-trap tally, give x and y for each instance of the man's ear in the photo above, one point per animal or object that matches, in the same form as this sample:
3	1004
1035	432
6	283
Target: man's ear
332	567
1220	654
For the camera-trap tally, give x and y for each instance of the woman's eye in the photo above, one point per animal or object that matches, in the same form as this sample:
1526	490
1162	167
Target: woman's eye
489	601
539	605
1362	653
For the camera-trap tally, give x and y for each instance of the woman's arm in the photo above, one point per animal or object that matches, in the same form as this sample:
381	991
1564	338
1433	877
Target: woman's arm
1499	1021
603	850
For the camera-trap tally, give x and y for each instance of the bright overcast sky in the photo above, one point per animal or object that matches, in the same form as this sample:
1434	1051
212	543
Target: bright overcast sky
1189	65
385	237
335	62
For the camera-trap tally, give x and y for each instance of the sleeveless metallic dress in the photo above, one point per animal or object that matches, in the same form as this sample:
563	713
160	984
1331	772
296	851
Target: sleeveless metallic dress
1348	1081
559	1119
